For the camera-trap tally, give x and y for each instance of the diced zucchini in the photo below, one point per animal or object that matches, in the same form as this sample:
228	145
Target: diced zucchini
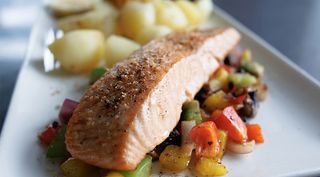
76	168
216	101
142	170
57	149
242	80
96	74
252	67
191	111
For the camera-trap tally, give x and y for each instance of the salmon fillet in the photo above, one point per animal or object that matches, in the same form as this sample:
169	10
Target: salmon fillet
136	104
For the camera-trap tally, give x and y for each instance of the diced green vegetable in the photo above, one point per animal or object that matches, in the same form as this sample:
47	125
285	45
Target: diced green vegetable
216	101
191	111
76	168
252	67
57	149
96	74
242	80
143	169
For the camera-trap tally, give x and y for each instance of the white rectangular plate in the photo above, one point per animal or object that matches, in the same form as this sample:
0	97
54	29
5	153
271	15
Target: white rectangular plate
290	117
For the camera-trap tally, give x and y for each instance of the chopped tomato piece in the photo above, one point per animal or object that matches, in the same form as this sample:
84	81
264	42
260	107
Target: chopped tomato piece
255	133
206	138
237	100
229	120
230	69
48	135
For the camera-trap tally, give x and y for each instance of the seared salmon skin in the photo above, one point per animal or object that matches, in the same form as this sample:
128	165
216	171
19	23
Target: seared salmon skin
135	105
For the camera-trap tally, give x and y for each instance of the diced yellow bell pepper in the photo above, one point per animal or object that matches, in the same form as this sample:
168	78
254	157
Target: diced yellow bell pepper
222	75
246	55
114	174
174	159
76	168
216	101
223	141
210	167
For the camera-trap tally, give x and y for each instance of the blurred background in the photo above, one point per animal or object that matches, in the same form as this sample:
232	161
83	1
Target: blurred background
291	26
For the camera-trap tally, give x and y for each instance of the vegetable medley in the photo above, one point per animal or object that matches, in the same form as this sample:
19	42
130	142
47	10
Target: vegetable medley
217	120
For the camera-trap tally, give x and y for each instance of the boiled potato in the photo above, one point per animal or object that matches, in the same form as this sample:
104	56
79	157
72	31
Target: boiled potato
102	18
69	7
169	14
118	48
90	20
152	32
135	16
106	7
205	7
190	10
79	51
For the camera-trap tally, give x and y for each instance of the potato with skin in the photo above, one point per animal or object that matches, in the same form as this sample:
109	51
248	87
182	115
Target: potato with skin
134	17
169	14
117	48
152	32
190	10
79	51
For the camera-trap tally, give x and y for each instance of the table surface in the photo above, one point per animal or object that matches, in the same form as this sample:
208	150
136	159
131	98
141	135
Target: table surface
291	26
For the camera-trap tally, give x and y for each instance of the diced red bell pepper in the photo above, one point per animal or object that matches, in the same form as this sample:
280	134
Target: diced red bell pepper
206	138
255	133
230	69
47	136
237	100
229	120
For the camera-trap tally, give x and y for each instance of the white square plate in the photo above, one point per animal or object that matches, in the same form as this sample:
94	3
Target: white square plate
290	117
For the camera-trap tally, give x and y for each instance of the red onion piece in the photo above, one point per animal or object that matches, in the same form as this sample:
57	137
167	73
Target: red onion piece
186	126
67	109
244	148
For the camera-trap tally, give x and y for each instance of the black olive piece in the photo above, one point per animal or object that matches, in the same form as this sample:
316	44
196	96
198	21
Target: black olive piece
55	124
226	61
253	96
250	106
173	139
230	85
203	93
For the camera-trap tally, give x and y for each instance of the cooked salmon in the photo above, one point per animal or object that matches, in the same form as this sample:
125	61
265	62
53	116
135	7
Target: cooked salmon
136	104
